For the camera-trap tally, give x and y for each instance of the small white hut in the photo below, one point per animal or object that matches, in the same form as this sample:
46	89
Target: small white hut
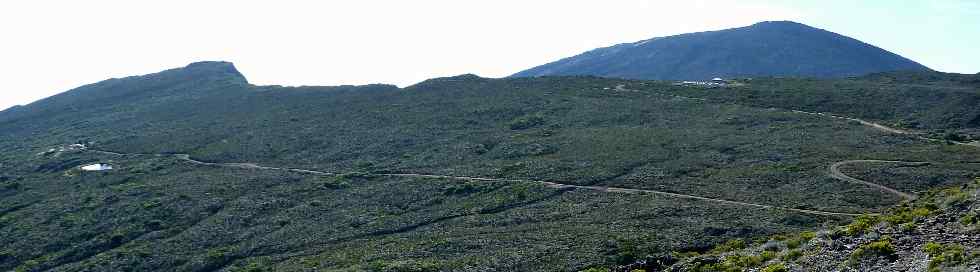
97	167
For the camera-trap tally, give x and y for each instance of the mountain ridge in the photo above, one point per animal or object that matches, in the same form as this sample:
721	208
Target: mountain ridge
770	48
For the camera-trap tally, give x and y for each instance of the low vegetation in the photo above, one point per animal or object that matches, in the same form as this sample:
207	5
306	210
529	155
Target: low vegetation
942	104
877	249
949	255
881	244
158	212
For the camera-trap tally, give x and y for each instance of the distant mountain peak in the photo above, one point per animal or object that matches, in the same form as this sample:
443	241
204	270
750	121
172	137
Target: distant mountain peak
465	77
779	23
214	68
769	48
217	65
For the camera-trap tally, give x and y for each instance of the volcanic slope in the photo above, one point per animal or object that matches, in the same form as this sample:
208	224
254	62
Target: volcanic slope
161	213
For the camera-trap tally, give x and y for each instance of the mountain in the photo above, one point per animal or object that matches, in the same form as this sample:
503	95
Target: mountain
780	48
464	173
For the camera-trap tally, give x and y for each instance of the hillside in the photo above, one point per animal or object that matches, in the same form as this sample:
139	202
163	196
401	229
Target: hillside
937	232
941	104
778	48
463	173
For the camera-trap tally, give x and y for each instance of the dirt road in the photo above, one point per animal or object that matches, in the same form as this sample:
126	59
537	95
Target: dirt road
836	173
834	170
551	184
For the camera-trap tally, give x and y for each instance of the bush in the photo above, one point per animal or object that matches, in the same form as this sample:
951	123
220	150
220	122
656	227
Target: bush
880	248
463	188
768	255
944	255
806	236
969	219
793	255
954	137
907	227
954	197
154	225
732	263
745	261
861	224
793	243
334	183
730	245
252	267
526	122
775	268
932	248
11	186
906	215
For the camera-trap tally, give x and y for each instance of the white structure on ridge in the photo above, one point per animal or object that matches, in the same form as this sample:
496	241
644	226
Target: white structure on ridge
97	167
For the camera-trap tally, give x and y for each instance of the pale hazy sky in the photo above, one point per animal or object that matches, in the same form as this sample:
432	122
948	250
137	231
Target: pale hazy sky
47	47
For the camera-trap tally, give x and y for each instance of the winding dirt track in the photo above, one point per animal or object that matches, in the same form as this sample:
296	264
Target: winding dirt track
834	170
836	173
551	184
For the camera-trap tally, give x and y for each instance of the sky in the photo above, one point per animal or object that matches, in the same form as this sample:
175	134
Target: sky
48	47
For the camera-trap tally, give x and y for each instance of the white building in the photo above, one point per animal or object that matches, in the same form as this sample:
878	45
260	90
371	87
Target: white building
97	167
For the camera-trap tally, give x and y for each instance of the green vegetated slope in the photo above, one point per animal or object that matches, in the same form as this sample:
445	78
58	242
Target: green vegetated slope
937	232
940	103
160	213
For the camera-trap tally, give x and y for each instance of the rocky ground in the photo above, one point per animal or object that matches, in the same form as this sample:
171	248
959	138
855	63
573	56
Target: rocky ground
940	231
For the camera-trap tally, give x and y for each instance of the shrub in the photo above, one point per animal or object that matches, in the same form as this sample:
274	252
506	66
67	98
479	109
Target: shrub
685	254
731	263
793	255
880	248
730	245
526	122
806	236
954	137
778	267
906	215
744	261
463	188
944	255
907	227
955	196
793	243
969	219
932	248
768	255
861	225
153	225
11	186
252	267
334	183
117	238
149	204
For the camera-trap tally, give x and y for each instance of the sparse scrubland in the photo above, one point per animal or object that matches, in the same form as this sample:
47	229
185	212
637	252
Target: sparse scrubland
155	212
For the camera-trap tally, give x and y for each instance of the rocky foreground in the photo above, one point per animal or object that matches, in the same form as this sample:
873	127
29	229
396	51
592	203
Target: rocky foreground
940	231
